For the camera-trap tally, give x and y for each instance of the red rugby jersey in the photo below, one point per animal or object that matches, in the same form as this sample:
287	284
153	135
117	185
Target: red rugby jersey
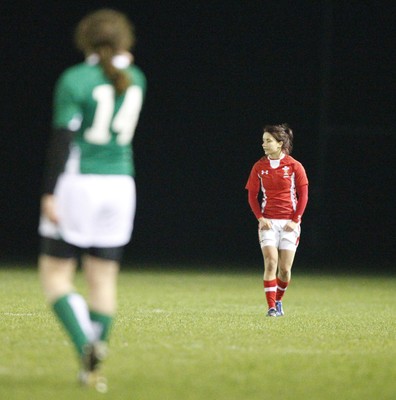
284	189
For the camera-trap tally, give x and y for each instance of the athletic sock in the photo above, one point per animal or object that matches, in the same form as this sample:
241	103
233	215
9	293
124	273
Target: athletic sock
72	311
270	292
280	289
101	325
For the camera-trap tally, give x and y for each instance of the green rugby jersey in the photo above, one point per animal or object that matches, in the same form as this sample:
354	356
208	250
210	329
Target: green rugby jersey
104	123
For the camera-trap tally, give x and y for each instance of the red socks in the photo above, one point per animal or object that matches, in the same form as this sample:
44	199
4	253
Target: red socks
270	292
281	289
274	291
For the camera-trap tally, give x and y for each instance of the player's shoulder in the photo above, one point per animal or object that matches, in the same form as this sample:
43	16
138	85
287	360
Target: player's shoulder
138	76
288	159
137	71
262	161
73	74
296	166
75	69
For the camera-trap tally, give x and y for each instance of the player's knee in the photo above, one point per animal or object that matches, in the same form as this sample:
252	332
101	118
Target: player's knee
55	277
270	263
284	274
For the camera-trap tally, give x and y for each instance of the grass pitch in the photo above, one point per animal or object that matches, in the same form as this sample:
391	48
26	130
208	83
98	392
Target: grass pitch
203	336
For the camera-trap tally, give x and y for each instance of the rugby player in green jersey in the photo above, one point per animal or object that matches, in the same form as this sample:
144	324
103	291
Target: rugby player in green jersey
89	198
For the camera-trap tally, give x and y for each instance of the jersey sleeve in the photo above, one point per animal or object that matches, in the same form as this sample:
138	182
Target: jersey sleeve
67	111
301	176
139	79
302	192
253	182
253	187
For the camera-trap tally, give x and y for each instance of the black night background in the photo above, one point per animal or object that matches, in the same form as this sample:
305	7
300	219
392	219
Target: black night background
217	72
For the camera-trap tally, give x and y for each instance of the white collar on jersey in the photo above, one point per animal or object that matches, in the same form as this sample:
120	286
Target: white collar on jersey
282	155
275	163
120	61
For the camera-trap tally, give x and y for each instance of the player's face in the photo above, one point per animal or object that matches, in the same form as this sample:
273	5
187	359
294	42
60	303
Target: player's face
271	146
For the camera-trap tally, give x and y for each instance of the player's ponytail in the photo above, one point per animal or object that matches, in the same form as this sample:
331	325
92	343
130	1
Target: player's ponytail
107	33
119	78
288	139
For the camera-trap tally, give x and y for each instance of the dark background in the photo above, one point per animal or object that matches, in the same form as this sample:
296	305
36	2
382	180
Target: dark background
218	71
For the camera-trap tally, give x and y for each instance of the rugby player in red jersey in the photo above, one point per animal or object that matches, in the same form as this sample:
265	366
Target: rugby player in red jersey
277	194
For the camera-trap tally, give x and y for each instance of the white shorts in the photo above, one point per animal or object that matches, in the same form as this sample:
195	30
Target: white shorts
93	210
279	238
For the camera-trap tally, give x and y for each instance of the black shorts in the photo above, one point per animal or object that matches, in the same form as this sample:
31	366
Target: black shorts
61	249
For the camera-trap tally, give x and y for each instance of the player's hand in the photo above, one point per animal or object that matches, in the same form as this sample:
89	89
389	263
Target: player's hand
290	226
264	224
48	208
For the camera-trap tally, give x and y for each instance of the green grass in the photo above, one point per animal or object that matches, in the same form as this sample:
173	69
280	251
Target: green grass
191	335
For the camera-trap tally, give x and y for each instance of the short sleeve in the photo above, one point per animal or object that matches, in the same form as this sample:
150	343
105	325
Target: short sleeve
66	107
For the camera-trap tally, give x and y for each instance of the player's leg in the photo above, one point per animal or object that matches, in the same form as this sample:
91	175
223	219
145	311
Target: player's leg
287	249
57	265
101	276
286	258
269	247
270	256
110	231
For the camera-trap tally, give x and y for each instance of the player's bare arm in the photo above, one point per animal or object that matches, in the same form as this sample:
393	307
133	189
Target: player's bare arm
264	224
290	226
48	207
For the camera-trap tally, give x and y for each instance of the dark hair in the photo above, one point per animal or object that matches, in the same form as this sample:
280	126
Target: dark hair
106	32
282	133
